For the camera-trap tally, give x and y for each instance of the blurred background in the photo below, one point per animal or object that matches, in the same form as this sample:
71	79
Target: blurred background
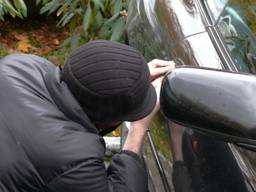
53	28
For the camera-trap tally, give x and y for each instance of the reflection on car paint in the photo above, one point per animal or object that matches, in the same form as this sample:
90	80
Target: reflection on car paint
181	16
143	33
196	50
177	29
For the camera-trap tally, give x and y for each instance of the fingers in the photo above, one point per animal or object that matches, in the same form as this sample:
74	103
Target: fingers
159	68
161	63
157	85
157	82
160	71
144	122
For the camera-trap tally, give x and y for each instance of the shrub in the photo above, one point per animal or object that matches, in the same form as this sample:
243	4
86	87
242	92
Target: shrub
86	19
14	8
89	19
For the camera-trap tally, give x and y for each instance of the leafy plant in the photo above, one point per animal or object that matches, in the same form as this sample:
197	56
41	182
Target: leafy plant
89	19
14	8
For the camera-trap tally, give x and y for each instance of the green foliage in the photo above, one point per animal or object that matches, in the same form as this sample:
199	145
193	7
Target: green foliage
86	19
3	50
14	8
89	19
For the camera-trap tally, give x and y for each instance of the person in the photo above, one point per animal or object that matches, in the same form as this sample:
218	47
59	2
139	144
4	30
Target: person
52	119
181	177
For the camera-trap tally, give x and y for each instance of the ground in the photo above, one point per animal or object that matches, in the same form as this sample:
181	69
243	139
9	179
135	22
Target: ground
42	38
30	36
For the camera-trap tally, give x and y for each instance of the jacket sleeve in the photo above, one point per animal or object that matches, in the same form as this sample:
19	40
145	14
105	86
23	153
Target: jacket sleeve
125	173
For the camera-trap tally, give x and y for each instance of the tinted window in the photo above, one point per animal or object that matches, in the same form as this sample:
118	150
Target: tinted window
237	24
216	7
247	162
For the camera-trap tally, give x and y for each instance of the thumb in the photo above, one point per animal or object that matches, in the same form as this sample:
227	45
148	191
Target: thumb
157	82
157	85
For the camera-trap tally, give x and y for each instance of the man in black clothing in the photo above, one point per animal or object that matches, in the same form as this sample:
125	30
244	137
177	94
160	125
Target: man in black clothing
52	119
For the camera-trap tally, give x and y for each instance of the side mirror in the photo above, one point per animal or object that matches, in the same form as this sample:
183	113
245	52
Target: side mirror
217	103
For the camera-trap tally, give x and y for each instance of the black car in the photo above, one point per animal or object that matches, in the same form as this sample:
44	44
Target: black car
217	151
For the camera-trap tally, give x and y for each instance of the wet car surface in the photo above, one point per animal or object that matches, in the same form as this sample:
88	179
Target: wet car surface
217	34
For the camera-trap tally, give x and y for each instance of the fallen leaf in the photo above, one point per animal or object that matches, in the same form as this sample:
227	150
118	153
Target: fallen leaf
56	42
46	49
116	133
39	38
24	46
21	37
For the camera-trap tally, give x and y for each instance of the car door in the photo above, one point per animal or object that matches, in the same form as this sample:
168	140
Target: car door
187	32
235	22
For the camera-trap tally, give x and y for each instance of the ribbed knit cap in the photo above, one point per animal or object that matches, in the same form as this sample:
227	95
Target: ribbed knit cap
110	81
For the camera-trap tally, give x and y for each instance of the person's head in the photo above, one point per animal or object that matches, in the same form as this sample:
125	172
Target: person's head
111	82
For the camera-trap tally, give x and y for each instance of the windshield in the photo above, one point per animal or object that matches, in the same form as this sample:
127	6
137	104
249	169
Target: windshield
236	21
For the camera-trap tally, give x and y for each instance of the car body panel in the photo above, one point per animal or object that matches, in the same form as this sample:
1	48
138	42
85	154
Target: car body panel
196	50
179	19
143	33
188	32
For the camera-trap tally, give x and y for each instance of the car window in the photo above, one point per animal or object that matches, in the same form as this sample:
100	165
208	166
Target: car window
237	24
216	7
247	162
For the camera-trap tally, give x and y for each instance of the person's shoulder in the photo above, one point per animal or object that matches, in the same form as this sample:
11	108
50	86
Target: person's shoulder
23	58
17	62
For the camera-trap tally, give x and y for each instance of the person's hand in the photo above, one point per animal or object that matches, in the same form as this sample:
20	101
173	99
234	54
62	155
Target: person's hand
159	68
137	131
176	133
144	122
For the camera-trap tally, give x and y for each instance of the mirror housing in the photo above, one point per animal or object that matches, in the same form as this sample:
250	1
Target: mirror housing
221	104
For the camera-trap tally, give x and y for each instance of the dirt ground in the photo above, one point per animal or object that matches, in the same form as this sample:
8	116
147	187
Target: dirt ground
42	38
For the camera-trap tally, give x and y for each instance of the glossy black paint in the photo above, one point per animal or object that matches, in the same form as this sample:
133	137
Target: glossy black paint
188	32
208	100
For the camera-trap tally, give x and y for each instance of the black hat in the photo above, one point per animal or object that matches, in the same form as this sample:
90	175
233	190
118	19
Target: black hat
111	81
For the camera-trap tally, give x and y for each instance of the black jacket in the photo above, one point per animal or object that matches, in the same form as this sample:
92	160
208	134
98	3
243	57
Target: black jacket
47	143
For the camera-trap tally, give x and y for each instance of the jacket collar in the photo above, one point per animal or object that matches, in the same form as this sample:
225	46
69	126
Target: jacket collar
65	101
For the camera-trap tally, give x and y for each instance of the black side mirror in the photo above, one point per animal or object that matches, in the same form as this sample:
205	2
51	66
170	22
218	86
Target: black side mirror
221	104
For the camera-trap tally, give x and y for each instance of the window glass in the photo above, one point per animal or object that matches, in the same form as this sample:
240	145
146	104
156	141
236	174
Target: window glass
247	161
237	24
216	6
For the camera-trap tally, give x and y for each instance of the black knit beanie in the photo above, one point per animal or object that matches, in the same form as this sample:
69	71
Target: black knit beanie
111	81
